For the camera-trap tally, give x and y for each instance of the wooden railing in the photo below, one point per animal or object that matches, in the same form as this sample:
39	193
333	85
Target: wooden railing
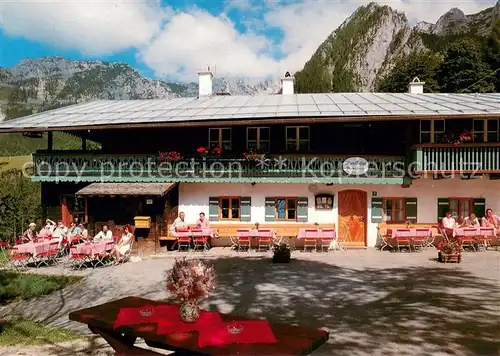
64	164
471	157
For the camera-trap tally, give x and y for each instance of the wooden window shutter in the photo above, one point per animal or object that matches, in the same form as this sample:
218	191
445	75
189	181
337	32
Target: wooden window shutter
302	208
443	207
479	207
245	207
411	209
270	207
377	210
213	209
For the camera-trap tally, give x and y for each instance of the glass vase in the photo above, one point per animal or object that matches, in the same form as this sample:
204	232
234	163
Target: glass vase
189	311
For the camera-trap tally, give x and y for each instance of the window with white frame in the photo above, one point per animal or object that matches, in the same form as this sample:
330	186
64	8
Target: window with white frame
297	138
258	138
220	137
432	131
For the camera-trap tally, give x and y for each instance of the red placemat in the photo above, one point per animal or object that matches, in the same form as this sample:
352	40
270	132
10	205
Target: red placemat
148	314
175	325
250	332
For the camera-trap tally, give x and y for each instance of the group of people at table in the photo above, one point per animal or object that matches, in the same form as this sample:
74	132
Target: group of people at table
490	220
78	233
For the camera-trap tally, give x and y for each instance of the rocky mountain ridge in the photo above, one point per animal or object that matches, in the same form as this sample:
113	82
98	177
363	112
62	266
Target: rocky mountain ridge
365	47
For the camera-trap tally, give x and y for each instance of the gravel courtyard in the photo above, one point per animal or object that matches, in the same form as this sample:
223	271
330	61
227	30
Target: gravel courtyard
373	303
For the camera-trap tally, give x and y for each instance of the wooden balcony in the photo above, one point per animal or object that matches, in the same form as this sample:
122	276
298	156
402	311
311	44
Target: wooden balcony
449	158
85	166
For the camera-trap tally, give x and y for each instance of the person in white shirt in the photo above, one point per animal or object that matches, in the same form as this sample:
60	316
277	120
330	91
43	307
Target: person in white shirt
179	223
60	233
84	232
48	229
104	235
448	221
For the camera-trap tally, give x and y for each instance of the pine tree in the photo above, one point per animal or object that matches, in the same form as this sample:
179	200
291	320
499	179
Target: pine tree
422	64
464	69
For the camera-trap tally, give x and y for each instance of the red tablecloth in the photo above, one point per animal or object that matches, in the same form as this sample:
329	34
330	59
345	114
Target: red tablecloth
478	231
210	327
193	233
251	332
411	232
94	248
317	233
256	233
35	248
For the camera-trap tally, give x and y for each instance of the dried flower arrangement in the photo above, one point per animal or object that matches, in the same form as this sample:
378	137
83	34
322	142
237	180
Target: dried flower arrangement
190	280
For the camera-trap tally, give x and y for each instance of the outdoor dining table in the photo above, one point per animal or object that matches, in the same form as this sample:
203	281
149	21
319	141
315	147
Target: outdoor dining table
310	233
410	232
473	232
94	248
35	248
195	233
122	321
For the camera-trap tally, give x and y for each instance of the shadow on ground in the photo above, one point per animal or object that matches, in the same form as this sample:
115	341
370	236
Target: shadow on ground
370	311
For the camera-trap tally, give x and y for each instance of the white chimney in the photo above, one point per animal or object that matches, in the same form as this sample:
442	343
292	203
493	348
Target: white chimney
205	83
287	84
416	86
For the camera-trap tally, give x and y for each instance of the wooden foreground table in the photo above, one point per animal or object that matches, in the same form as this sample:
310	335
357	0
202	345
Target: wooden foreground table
291	340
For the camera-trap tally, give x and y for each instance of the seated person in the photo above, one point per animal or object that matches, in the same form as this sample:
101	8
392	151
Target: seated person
60	233
124	245
448	221
104	235
459	222
29	234
490	220
179	223
202	223
471	221
48	230
74	232
84	232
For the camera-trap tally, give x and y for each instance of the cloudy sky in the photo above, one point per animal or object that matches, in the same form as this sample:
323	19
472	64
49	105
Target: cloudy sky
175	38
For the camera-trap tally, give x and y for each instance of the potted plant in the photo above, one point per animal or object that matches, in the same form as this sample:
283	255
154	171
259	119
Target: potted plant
189	281
281	253
449	251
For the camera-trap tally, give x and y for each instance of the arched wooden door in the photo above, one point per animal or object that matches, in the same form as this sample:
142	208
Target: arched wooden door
352	217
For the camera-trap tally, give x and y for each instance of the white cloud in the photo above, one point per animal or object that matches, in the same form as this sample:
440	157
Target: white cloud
192	41
177	44
92	27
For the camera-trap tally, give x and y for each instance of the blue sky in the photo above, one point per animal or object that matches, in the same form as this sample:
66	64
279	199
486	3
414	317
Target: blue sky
174	38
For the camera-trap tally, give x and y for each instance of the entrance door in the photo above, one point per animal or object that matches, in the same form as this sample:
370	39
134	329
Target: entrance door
352	217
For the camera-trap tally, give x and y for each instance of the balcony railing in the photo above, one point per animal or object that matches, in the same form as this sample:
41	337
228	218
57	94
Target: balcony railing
71	166
473	158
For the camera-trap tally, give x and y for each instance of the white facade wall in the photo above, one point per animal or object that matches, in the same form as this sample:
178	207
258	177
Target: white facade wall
193	197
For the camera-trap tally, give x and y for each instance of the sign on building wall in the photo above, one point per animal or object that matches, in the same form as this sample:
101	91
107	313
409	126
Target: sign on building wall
355	166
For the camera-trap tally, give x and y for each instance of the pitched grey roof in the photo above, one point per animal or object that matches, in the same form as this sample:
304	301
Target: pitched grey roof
216	108
148	189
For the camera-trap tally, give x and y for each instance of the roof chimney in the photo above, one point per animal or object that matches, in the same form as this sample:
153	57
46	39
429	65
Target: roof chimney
287	84
416	86
205	83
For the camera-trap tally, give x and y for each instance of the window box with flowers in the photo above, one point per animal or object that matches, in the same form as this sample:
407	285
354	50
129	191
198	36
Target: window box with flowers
254	155
210	152
169	156
458	139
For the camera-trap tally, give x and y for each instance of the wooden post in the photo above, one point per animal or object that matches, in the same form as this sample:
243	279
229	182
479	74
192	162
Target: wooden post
84	143
86	212
50	140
